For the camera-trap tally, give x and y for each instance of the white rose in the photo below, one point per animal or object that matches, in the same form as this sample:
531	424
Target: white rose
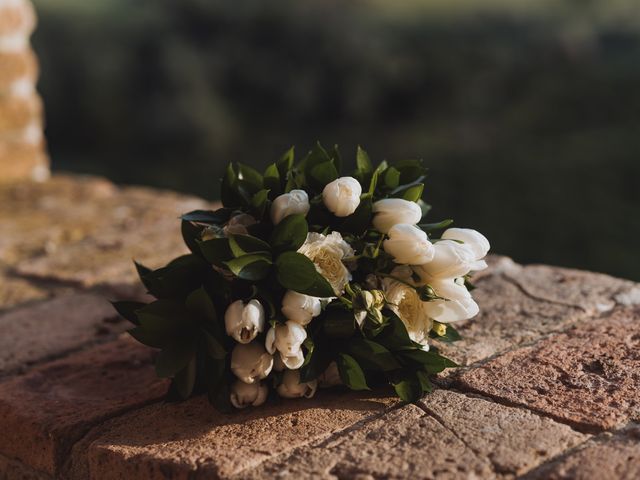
405	302
251	362
327	253
392	211
459	305
474	241
342	196
300	308
238	224
292	388
287	340
409	245
244	321
243	394
296	201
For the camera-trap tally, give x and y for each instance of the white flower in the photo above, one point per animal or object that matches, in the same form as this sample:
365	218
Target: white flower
474	241
251	362
238	224
342	196
244	394
459	305
405	302
327	252
330	377
244	321
296	201
292	388
300	308
392	211
408	245
287	339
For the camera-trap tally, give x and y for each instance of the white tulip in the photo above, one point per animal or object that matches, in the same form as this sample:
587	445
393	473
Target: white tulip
296	201
474	241
293	362
286	338
251	362
327	253
342	196
409	245
451	260
459	305
244	394
292	388
300	308
238	224
244	321
392	211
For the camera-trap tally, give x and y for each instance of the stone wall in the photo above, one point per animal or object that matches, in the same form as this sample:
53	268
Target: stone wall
548	387
22	146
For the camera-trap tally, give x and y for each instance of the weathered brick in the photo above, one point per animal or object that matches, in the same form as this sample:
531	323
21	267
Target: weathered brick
191	438
15	290
44	412
459	437
53	327
609	456
99	228
11	469
551	300
587	376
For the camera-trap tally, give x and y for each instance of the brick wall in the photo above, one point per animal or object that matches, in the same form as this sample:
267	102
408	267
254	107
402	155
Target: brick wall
22	146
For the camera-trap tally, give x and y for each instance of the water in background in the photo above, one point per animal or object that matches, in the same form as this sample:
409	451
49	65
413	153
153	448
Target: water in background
528	113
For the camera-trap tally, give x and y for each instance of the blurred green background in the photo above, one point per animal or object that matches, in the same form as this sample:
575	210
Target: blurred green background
527	113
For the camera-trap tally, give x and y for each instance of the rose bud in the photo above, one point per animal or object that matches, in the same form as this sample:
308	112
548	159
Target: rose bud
251	362
286	338
296	201
244	321
292	388
300	308
244	394
342	196
408	245
392	211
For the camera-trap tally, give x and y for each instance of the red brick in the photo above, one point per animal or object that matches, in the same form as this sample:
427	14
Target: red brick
53	327
587	377
43	413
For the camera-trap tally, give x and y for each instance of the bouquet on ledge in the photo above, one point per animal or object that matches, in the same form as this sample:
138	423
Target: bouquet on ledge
306	279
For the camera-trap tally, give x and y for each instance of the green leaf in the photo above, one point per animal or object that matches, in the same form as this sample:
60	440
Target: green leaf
175	357
209	217
296	272
200	304
414	193
259	203
394	336
409	388
359	220
374	178
315	364
185	379
285	163
430	227
178	278
244	244
216	251
425	383
322	174
431	361
450	336
128	310
271	180
252	267
230	193
191	234
363	163
350	372
391	178
215	349
290	233
372	355
339	323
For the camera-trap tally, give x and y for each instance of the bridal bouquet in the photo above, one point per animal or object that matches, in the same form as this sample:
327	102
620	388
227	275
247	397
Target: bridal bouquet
305	279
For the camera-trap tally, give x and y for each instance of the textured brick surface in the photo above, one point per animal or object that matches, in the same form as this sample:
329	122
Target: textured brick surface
16	291
52	406
54	327
510	315
177	440
607	457
458	437
588	376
